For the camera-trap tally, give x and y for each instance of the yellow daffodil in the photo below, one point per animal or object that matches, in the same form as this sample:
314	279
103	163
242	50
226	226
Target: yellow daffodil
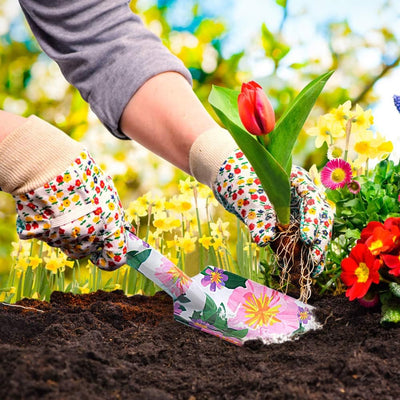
187	243
22	264
53	263
206	241
164	223
84	289
217	243
20	249
326	131
219	229
34	261
362	120
187	185
315	176
342	113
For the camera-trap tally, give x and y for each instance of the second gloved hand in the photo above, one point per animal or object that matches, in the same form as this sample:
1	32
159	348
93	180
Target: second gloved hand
217	162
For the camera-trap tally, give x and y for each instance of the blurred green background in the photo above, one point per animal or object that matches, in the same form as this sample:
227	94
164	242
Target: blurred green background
281	44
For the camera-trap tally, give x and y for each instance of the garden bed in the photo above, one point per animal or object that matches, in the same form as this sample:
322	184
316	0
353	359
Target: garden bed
110	346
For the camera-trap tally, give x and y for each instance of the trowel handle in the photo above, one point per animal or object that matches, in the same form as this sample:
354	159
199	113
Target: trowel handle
153	265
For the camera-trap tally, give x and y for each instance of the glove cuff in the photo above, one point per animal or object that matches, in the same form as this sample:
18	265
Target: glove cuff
33	154
208	153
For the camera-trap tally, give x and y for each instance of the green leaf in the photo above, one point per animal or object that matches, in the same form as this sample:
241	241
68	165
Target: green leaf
274	49
135	259
183	299
390	309
234	280
239	334
288	127
273	177
210	310
394	288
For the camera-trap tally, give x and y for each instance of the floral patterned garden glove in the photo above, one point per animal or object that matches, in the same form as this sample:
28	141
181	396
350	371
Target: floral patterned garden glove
62	196
238	189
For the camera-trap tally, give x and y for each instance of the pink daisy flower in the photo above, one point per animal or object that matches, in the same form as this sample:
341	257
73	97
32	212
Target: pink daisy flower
336	174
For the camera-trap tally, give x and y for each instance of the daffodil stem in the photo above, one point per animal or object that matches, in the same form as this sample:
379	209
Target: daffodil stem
348	133
198	226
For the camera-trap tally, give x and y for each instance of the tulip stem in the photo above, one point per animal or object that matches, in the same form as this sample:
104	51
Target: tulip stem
260	140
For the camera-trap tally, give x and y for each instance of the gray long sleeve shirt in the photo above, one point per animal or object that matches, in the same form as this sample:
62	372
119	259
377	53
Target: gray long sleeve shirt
102	48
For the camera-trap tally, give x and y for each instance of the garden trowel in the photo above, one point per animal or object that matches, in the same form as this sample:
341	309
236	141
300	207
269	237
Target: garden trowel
222	303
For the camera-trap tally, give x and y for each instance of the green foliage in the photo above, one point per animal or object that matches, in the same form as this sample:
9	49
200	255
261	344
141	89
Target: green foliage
273	48
377	201
283	137
390	309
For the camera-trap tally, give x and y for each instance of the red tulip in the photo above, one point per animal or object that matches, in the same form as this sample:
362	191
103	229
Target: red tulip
255	110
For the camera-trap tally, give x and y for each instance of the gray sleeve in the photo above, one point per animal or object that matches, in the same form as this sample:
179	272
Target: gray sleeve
102	48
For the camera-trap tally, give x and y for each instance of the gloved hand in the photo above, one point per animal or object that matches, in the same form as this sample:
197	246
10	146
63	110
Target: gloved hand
62	196
238	189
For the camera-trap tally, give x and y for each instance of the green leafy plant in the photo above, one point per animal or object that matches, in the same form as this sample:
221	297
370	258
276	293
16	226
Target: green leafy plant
365	249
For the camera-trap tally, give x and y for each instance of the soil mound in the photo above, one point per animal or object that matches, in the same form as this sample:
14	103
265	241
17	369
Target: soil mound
110	346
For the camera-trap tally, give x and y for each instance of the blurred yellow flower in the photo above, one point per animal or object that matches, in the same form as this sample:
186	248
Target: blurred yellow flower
204	191
35	261
374	147
342	113
250	247
219	229
164	223
217	243
362	120
315	176
206	241
187	243
21	248
326	131
53	263
187	185
22	264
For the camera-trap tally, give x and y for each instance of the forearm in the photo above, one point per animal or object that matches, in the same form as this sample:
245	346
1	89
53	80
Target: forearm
166	117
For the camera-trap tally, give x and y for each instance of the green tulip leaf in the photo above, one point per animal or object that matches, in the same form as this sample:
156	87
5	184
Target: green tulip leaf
288	127
273	177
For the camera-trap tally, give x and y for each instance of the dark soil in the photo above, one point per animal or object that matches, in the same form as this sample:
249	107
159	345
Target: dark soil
109	346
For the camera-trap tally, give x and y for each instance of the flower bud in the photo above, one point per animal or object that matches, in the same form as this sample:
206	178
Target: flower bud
255	110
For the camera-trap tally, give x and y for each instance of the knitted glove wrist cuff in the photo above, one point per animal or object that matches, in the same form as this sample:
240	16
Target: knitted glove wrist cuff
208	153
33	154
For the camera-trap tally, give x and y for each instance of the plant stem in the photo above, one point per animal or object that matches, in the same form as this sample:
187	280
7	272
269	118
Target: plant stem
348	132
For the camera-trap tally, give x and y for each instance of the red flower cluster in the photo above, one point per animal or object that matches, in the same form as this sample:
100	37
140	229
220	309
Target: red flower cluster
378	247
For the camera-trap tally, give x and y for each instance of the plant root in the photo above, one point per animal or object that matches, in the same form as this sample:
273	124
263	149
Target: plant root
294	258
